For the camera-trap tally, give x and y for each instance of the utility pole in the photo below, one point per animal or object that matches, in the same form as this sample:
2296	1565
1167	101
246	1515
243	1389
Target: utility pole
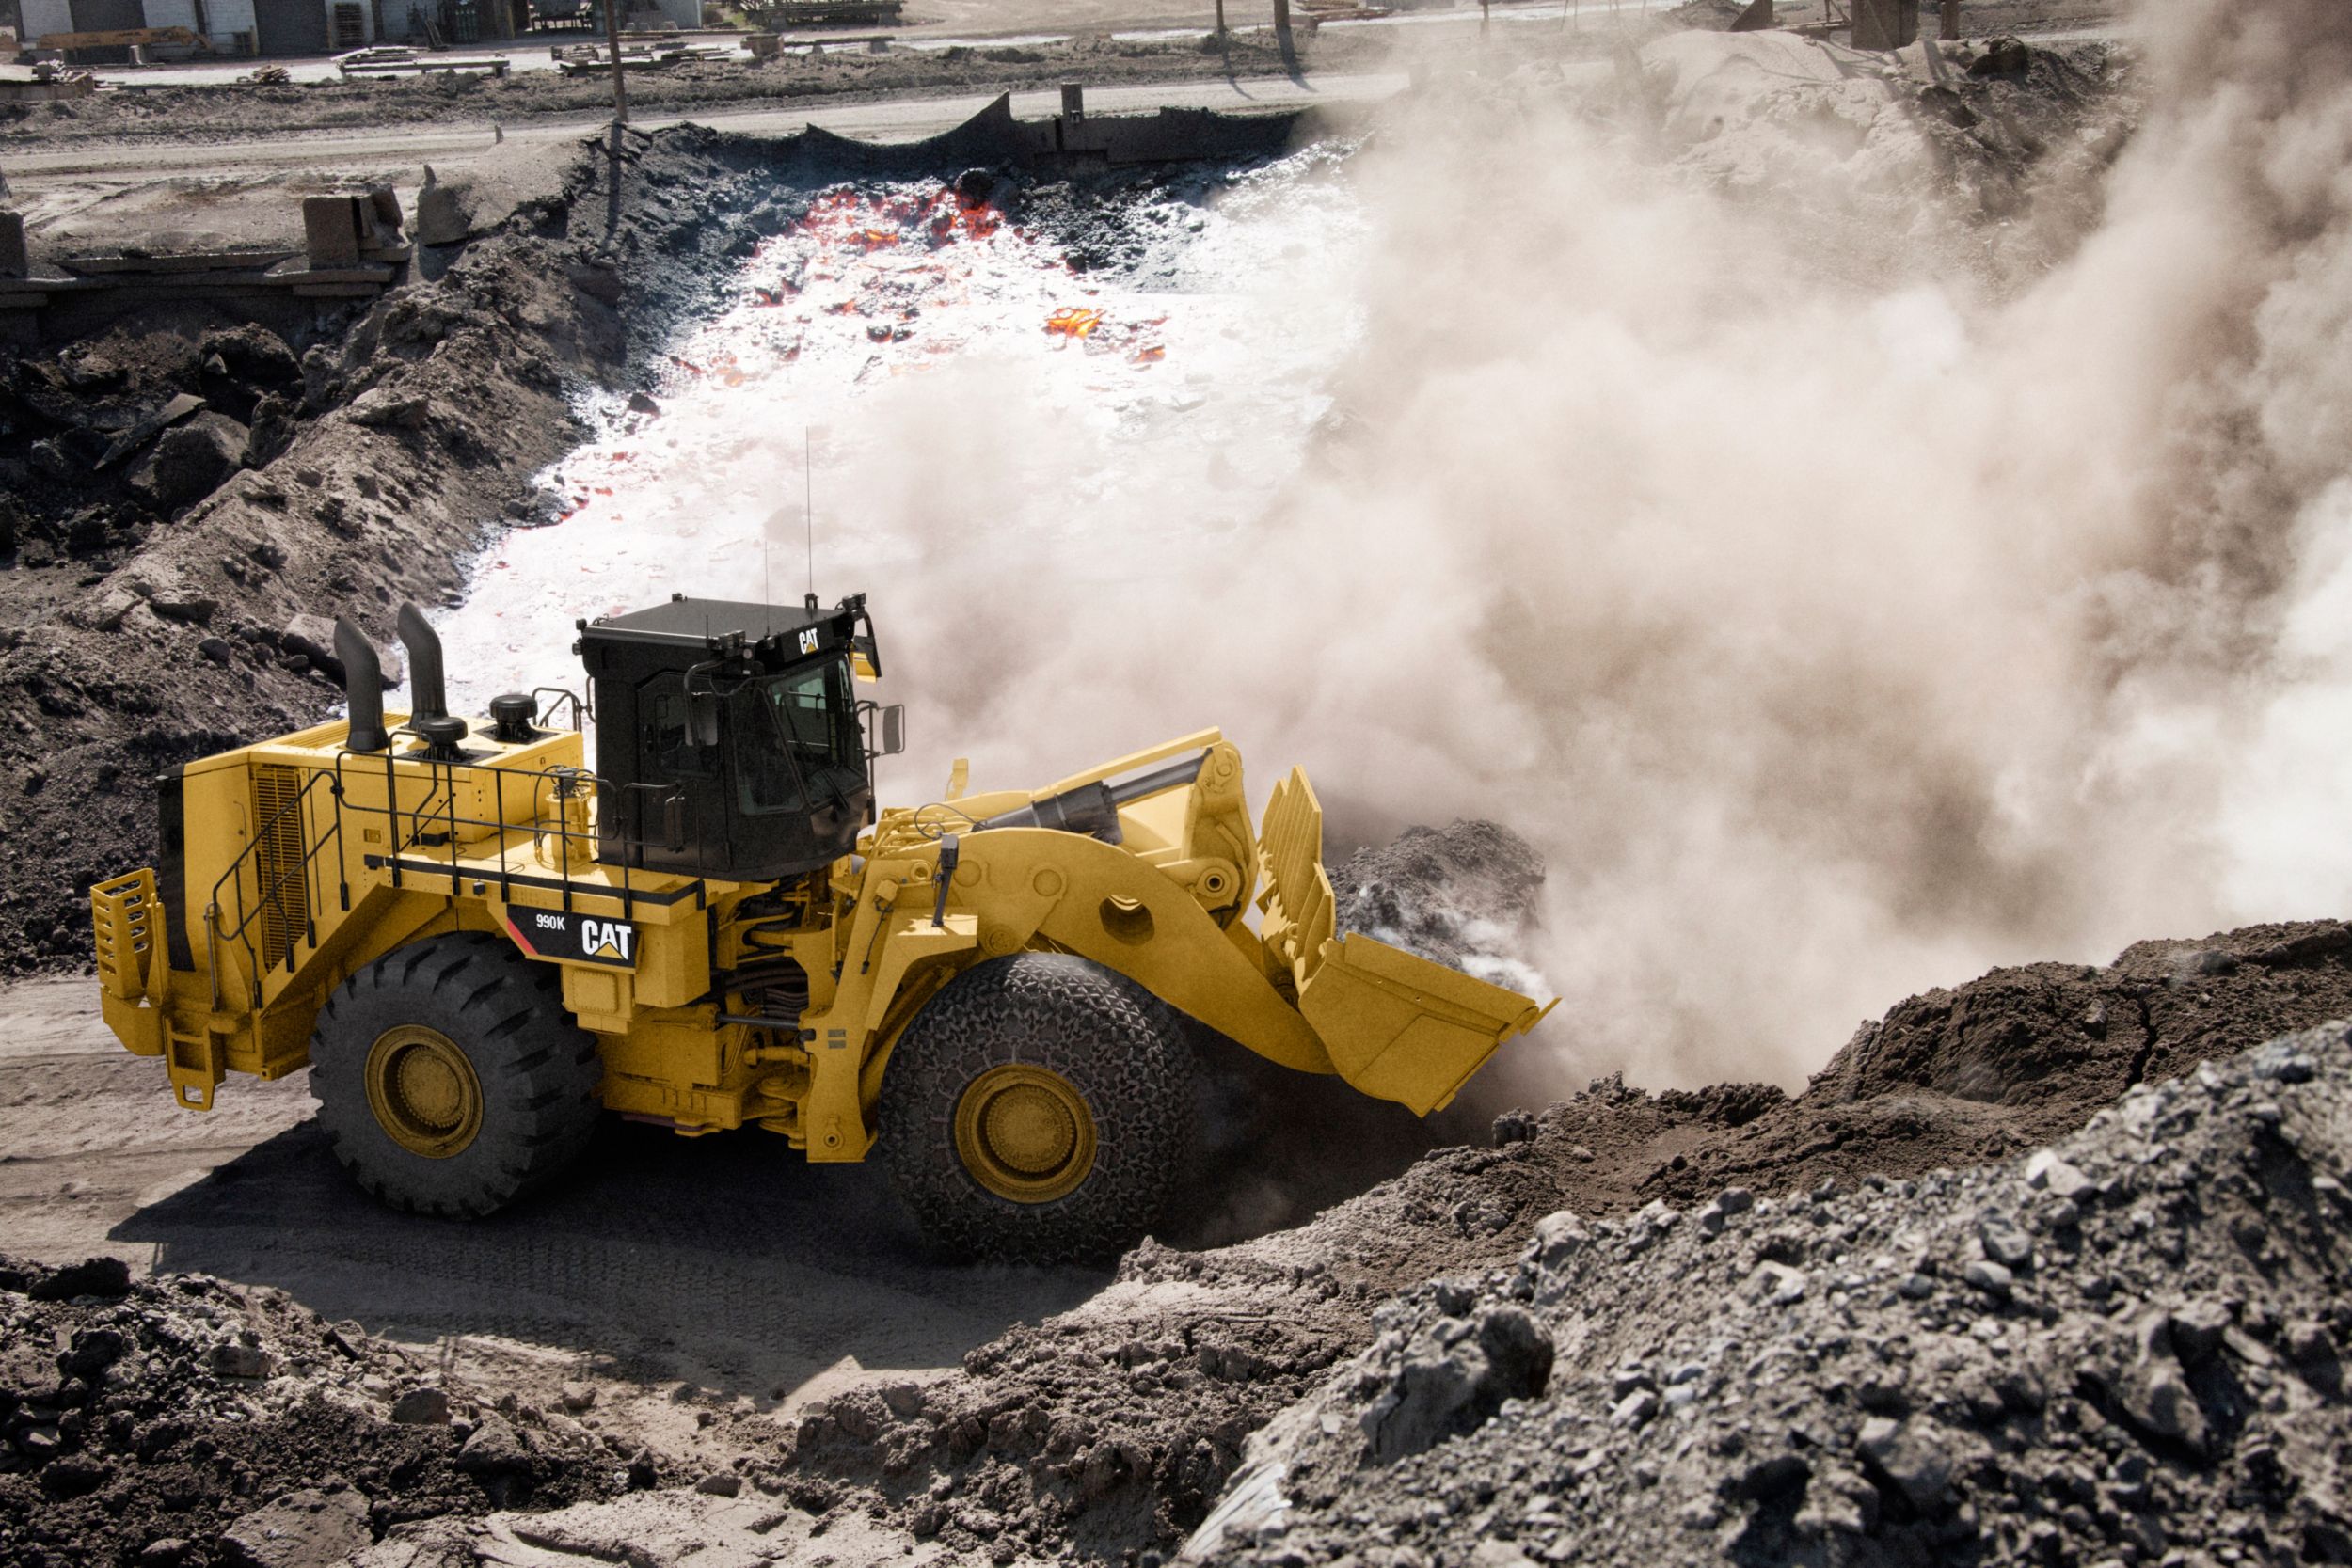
620	89
1220	19
1282	33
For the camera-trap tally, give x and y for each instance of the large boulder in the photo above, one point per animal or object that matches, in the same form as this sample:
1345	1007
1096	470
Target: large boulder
312	636
254	354
445	210
191	461
301	1529
1453	1378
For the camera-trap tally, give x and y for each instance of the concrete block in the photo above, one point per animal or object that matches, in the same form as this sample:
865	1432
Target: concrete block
14	263
330	231
1073	101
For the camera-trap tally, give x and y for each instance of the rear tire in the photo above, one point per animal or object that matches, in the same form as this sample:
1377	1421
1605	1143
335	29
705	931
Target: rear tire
449	1079
1038	1110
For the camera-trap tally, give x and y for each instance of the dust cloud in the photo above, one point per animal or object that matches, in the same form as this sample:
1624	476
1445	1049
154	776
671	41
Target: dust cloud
1839	610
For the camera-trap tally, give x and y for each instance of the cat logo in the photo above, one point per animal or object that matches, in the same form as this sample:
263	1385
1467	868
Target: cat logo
608	940
808	641
581	937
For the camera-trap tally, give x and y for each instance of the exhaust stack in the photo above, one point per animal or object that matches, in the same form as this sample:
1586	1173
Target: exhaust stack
429	720
430	695
363	688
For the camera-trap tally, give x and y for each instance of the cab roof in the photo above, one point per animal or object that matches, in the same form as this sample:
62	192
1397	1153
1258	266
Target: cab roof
730	626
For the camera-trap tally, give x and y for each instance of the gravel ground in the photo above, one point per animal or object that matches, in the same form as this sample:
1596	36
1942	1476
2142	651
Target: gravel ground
2124	1348
188	1421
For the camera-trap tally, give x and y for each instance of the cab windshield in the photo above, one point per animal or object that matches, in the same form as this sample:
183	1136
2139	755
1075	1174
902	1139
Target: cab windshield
797	744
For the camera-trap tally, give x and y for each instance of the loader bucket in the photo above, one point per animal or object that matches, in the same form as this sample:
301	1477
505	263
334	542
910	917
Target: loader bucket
1396	1025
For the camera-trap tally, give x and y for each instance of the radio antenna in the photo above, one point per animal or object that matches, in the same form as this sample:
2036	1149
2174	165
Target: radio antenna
808	504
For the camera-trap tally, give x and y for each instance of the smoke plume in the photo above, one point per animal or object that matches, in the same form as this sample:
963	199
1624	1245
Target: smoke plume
1847	580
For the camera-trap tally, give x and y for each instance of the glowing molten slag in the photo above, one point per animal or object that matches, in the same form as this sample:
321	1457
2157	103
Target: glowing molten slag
874	284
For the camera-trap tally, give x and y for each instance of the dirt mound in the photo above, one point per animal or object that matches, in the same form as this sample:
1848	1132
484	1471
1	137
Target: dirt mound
1113	1426
1851	144
2129	1344
179	1422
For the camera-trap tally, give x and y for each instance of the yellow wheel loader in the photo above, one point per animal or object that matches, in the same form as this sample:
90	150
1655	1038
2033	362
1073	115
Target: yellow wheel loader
478	944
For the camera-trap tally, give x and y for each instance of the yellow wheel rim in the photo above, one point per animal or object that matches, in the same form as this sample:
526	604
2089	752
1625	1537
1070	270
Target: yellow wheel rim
1025	1133
423	1091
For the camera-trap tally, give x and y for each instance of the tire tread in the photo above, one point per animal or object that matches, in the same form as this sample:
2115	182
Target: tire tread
538	1071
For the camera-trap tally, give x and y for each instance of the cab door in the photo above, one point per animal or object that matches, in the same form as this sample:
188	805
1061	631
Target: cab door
674	811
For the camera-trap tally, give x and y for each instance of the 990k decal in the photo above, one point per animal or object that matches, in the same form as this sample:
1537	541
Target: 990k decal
580	938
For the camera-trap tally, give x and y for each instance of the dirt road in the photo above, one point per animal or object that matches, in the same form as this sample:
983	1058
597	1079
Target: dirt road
892	120
243	192
726	1263
724	1271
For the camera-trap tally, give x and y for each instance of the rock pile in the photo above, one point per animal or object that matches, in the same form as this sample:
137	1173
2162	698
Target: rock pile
184	1422
1116	1426
1463	895
115	434
2125	1348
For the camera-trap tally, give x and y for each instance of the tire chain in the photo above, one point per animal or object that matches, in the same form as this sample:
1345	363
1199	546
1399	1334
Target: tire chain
1124	1049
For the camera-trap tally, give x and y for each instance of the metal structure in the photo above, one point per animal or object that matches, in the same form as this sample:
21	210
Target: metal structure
477	941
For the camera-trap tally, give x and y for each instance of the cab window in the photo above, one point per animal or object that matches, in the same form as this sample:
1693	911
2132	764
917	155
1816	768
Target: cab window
796	740
664	748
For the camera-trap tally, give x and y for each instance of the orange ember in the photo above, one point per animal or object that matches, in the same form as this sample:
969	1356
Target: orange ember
1072	321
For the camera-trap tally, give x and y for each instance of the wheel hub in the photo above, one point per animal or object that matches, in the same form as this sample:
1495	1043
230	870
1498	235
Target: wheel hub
423	1091
1025	1133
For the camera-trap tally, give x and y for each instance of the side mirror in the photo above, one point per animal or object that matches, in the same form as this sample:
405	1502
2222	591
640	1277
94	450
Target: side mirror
893	731
701	718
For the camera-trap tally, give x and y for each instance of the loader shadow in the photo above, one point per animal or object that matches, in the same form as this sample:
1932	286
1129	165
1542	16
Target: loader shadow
726	1260
729	1260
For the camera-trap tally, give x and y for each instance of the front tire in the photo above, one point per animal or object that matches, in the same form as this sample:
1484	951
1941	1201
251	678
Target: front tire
1038	1110
450	1080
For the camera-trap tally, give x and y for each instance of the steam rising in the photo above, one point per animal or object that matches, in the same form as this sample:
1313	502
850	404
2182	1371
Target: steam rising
1838	621
1843	589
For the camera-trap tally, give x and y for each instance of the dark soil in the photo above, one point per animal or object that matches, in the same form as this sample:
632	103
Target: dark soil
166	1411
1114	1427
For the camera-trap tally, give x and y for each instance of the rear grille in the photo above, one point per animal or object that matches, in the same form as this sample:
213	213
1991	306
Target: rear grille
283	892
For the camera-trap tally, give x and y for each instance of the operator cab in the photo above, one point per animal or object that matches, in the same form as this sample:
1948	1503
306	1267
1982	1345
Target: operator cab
730	740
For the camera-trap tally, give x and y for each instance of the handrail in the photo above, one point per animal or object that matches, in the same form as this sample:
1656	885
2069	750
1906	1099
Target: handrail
274	896
434	813
437	809
564	694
